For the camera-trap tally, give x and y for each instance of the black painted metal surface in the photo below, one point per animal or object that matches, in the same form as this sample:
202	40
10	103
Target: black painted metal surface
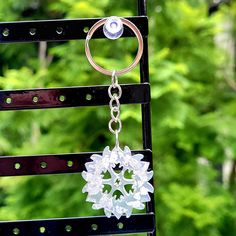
146	108
58	30
63	30
50	164
70	97
98	225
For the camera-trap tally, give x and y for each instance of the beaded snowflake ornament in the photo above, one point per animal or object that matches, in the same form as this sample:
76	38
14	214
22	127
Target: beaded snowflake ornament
117	180
125	174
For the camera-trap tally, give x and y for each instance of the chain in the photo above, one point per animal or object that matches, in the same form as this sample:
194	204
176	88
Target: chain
115	93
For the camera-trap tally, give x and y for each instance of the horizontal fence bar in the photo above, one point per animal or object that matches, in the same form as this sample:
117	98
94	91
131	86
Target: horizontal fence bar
70	97
59	30
50	164
99	225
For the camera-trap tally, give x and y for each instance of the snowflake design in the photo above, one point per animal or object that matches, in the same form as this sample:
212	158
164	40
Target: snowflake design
118	170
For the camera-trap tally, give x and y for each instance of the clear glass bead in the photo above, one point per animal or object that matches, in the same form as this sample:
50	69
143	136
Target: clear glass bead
113	28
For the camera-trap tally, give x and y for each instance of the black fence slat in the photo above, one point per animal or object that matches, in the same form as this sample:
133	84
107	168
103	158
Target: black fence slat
70	97
98	225
50	164
59	30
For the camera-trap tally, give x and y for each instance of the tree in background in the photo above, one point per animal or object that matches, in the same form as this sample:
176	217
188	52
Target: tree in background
193	113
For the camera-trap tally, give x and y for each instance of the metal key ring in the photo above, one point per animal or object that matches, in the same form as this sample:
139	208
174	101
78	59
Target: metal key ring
110	72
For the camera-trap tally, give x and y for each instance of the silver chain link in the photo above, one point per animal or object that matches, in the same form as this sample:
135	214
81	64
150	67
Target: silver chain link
115	93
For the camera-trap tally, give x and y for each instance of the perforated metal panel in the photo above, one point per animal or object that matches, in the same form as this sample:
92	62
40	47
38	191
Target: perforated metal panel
63	30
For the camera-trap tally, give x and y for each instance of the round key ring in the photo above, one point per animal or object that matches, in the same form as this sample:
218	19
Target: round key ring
110	72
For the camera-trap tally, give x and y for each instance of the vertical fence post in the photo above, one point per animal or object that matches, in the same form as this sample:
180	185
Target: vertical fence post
146	108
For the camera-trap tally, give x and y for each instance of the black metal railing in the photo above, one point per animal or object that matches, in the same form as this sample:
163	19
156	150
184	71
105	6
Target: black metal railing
63	30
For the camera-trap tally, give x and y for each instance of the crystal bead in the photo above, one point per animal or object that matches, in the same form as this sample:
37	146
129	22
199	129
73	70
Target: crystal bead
113	28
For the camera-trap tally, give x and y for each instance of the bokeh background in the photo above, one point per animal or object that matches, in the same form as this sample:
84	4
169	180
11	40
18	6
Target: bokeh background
192	72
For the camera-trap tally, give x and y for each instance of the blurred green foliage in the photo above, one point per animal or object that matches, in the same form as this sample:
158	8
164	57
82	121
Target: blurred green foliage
193	107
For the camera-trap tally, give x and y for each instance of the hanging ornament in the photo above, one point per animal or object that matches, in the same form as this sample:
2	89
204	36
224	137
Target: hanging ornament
117	180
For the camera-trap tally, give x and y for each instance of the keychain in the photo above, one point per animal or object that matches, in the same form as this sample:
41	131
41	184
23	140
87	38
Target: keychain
117	180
